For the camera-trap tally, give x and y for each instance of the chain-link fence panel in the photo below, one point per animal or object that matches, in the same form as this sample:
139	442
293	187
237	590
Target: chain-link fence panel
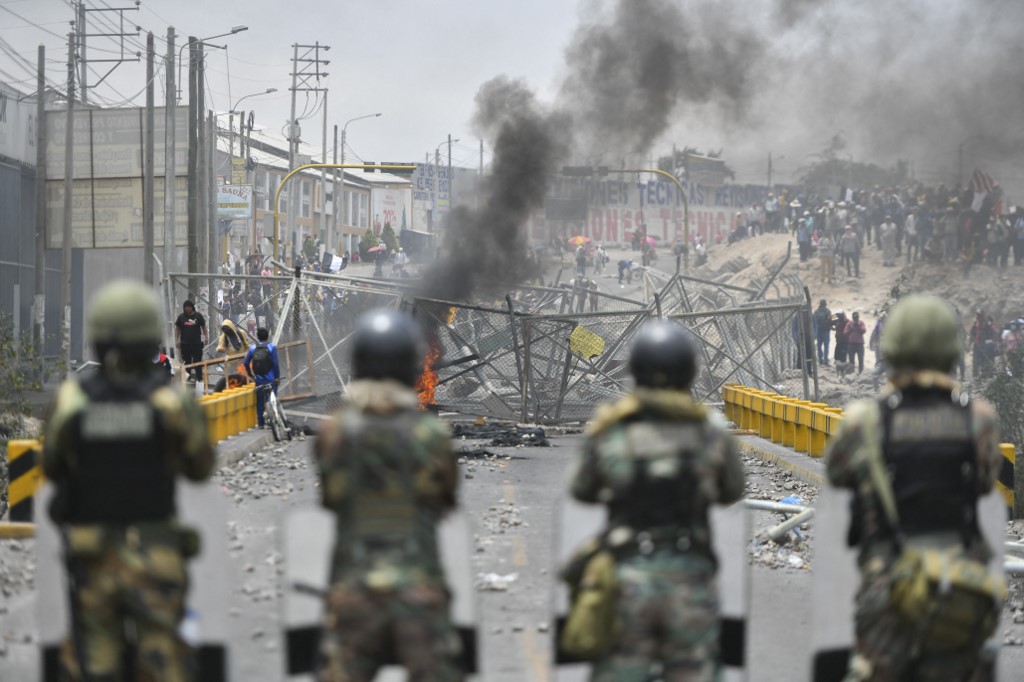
474	365
322	311
755	346
574	363
250	301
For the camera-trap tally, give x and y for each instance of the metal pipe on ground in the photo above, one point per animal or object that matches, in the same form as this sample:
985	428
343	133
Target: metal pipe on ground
781	507
789	524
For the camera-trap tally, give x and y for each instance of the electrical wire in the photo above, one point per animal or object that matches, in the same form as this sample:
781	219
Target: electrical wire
40	27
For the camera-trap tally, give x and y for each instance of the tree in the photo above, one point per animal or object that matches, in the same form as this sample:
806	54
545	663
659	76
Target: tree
833	168
367	242
20	365
387	235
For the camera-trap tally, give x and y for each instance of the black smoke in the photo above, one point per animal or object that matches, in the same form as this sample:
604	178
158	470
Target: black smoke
485	250
645	62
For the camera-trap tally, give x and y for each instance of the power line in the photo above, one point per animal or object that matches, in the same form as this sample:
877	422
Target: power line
40	27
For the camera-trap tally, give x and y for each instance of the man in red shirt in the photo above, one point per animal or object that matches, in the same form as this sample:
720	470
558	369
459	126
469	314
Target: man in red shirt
855	330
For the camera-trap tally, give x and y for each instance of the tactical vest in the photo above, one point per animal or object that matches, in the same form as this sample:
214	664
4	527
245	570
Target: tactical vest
929	449
384	512
122	472
663	497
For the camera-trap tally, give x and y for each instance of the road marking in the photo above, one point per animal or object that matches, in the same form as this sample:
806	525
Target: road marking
536	657
519	557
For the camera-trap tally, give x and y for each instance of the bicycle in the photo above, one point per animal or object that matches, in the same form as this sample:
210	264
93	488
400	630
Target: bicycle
273	414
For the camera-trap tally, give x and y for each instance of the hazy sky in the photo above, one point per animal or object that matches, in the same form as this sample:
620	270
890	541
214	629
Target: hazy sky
418	63
918	80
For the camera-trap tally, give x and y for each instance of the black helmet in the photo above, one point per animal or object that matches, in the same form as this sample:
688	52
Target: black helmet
388	345
664	355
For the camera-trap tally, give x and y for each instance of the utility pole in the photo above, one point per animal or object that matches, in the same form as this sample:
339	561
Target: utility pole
437	181
193	159
124	50
433	193
451	197
769	170
334	190
293	144
200	168
306	75
83	71
69	175
213	252
170	167
148	194
323	181
39	301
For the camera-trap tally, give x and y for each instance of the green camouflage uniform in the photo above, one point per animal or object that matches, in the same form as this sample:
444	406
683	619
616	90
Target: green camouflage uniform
887	649
668	601
122	572
388	472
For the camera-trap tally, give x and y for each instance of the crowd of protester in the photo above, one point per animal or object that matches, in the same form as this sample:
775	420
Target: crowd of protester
913	222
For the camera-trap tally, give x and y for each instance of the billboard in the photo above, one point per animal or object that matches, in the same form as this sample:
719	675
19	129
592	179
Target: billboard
107	200
391	206
17	126
108	143
234	202
107	212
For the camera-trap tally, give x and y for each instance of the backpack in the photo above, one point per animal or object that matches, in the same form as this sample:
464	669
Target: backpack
262	362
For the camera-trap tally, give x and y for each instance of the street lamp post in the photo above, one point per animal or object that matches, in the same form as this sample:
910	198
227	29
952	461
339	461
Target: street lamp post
231	120
437	176
344	203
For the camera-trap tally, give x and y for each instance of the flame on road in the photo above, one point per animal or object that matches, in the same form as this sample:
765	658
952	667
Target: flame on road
426	385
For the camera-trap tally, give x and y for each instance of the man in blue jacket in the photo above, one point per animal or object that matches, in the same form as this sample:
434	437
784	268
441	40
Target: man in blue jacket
261	364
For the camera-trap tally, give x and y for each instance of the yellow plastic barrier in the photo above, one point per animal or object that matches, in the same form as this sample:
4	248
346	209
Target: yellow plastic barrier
229	412
806	426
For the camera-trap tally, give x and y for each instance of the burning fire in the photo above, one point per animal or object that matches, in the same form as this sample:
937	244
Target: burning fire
426	385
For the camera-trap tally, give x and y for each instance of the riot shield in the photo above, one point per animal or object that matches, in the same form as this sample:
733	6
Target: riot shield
836	578
730	527
308	543
201	506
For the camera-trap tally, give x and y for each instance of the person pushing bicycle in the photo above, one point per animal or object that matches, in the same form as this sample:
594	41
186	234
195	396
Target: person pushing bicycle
262	365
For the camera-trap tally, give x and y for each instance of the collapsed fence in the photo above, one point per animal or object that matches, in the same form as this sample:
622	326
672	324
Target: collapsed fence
541	354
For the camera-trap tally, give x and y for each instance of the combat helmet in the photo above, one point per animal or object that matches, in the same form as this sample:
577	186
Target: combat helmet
921	332
388	345
664	355
125	313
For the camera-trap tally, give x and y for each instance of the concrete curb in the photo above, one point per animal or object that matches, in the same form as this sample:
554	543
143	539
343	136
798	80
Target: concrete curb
15	530
233	449
806	468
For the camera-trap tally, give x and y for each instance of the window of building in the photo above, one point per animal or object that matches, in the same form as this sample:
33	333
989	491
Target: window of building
306	190
263	197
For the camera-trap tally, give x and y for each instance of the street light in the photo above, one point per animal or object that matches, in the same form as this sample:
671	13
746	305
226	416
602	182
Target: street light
344	129
234	110
234	107
233	31
437	174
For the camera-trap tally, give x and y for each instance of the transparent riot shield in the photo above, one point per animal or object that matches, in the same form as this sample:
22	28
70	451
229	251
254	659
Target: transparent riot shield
308	543
201	506
730	527
836	579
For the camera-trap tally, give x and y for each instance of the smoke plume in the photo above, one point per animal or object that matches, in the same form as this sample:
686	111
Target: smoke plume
486	248
914	79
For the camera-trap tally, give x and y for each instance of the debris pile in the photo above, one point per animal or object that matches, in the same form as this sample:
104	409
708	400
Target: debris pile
502	435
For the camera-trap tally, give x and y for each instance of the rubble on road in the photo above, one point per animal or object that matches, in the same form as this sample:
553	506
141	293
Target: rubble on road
262	473
502	434
17	567
768	481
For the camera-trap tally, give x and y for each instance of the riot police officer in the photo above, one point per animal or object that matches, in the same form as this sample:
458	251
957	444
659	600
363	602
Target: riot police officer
917	460
388	473
113	448
658	460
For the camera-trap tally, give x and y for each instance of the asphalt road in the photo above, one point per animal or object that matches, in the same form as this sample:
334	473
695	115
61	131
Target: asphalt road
511	499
